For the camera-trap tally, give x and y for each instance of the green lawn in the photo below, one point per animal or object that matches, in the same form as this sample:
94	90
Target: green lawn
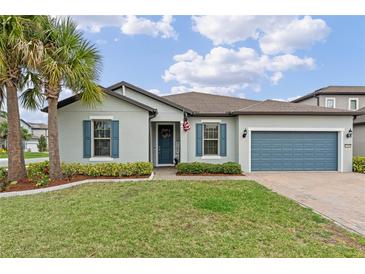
168	219
28	155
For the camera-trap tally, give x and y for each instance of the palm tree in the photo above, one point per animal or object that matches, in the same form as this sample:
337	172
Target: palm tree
18	52
69	61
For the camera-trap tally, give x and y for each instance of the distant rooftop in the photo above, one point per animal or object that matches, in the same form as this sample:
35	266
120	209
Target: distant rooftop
334	90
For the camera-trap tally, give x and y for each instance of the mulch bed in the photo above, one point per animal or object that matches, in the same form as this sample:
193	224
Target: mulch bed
208	174
28	185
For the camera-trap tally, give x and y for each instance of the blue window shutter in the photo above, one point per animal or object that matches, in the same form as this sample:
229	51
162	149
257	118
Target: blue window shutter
87	138
199	140
223	140
115	139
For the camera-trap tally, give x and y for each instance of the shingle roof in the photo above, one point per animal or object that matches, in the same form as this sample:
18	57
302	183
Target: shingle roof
38	125
334	90
279	107
209	103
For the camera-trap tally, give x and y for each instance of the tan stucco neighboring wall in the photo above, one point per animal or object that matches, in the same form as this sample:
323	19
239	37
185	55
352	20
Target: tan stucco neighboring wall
133	129
359	140
342	101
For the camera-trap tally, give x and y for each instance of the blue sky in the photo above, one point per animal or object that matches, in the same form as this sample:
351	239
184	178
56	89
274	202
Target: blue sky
252	57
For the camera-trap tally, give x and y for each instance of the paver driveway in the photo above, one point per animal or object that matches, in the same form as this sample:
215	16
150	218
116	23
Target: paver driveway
339	196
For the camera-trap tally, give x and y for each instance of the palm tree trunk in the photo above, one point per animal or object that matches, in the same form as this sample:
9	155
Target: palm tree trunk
16	164
55	171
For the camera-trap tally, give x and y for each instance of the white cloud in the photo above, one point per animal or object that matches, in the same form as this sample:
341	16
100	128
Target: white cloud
231	29
129	25
94	23
299	34
138	25
275	34
275	78
225	70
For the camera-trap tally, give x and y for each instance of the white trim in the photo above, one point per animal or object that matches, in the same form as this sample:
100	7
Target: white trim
357	103
101	159
330	98
96	117
211	157
207	156
211	121
340	140
174	141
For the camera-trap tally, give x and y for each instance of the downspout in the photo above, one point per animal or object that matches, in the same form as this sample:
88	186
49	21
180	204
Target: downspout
154	114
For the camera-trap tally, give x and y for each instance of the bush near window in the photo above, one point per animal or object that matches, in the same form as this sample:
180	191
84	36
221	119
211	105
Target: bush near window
108	169
39	172
358	164
201	168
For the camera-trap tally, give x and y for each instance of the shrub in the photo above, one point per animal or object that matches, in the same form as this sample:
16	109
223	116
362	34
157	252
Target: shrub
42	144
108	169
358	164
39	173
201	168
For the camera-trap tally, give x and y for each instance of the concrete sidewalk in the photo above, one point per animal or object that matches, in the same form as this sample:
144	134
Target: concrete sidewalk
4	161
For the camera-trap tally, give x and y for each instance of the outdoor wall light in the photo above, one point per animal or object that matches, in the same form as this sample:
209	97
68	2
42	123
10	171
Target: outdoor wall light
349	134
244	133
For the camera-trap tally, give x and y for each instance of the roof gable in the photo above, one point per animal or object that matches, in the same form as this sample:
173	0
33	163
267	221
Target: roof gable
77	97
148	94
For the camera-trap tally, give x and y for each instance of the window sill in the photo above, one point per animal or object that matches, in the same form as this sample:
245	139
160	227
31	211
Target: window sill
101	159
207	157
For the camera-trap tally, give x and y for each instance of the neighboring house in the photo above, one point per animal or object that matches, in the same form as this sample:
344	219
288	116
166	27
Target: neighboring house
359	134
36	130
133	124
342	97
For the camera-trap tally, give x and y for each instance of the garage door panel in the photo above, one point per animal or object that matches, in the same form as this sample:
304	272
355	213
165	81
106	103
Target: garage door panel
293	151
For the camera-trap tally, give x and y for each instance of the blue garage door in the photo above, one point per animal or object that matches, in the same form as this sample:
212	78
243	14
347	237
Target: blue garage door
294	151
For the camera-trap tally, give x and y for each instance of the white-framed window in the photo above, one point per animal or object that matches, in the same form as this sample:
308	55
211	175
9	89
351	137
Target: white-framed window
102	138
330	102
210	138
353	103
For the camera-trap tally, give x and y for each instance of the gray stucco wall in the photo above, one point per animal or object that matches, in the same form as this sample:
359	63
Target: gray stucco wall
231	140
359	140
133	129
296	123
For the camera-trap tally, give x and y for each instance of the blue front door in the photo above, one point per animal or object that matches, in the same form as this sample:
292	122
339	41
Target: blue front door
165	144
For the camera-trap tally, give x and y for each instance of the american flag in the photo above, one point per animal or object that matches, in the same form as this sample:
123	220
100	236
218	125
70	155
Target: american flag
186	125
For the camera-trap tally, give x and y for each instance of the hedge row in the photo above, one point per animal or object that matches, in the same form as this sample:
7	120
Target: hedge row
39	172
358	164
201	168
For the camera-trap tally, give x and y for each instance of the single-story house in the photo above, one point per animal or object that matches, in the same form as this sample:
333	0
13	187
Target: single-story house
133	124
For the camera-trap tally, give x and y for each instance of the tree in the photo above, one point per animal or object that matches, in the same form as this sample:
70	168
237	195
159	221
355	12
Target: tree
18	52
69	61
42	144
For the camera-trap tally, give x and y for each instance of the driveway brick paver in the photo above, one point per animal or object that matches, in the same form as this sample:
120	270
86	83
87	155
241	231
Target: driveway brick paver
338	196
